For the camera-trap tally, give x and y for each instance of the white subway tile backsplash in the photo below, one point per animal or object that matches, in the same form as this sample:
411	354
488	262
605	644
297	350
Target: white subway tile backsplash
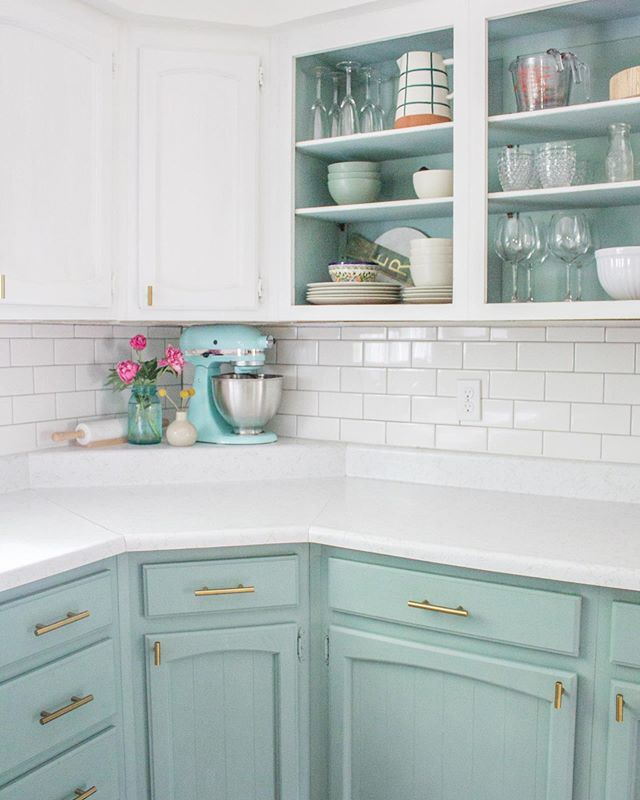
362	431
511	442
496	414
17	438
517	385
363	379
437	354
75	404
517	334
318	378
109	402
635	421
605	357
621	448
297	352
16	380
340	404
106	331
6	410
410	434
579	387
454	333
542	416
583	446
622	334
412	332
412	381
73	351
622	389
600	418
447	381
31	352
5	353
34	408
344	354
489	355
295	402
364	333
387	354
55	379
449	437
285	424
54	330
434	410
318	332
545	356
574	333
319	428
395	408
15	330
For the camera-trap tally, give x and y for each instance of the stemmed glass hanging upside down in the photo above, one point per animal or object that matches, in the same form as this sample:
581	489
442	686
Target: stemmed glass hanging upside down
515	242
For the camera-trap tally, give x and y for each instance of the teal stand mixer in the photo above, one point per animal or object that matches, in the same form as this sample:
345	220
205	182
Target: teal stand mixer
234	400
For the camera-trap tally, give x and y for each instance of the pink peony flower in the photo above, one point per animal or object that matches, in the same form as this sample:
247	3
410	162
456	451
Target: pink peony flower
127	371
173	359
138	342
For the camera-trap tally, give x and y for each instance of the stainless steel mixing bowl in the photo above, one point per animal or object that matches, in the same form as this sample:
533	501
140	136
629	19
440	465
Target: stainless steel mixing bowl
247	402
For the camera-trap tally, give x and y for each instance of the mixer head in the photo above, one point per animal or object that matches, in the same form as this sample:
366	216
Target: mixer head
240	345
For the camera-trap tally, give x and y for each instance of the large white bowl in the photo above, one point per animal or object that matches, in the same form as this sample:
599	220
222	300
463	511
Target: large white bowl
619	272
433	183
431	242
432	274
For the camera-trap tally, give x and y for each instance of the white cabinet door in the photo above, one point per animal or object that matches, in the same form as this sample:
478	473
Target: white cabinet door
55	156
198	183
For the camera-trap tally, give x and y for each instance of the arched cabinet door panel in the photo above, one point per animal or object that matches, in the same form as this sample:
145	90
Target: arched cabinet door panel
198	184
56	79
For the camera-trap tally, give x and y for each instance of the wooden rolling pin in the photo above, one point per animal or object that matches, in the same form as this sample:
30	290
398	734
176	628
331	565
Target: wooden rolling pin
96	433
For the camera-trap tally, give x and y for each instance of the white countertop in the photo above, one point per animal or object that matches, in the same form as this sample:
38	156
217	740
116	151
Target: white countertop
46	531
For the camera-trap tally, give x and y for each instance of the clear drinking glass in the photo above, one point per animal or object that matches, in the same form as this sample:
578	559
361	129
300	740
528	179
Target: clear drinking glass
514	242
348	109
619	163
368	110
556	164
538	255
516	170
319	119
380	113
570	240
334	109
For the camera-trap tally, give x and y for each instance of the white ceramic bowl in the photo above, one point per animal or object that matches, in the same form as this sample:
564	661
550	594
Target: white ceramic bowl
432	274
354	190
427	243
429	183
619	272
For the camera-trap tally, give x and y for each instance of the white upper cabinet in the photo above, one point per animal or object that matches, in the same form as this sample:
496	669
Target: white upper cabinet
198	182
55	160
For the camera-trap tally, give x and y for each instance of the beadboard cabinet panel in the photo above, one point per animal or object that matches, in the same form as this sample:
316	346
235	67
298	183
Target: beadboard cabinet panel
416	721
224	714
198	180
623	752
55	159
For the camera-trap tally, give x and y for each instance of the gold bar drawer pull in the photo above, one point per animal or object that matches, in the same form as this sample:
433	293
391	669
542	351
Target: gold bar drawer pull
619	708
68	620
80	794
76	702
425	605
239	589
557	695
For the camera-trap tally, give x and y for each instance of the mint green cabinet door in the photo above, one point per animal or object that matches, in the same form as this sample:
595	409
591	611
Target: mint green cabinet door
413	721
623	747
223	708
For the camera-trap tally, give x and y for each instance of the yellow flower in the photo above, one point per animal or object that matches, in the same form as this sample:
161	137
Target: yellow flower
184	394
192	391
162	392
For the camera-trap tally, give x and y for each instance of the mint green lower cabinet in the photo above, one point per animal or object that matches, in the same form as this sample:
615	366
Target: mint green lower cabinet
411	721
223	710
623	745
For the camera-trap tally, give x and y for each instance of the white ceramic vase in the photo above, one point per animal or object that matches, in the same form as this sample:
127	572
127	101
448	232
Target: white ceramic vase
181	432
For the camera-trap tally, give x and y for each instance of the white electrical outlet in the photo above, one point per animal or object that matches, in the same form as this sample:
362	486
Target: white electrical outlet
469	400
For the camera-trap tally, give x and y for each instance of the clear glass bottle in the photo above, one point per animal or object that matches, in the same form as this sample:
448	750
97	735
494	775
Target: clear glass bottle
619	162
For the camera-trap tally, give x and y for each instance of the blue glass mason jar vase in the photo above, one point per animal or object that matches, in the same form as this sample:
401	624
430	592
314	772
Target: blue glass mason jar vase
145	416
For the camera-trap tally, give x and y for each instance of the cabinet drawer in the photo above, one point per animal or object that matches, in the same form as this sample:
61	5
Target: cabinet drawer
526	617
625	634
56	616
88	673
91	764
229	585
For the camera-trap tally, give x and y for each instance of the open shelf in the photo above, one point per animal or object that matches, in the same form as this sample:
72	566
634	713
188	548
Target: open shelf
569	122
377	212
384	145
597	195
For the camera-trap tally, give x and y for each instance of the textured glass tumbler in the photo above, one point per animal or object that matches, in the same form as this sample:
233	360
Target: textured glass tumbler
556	165
516	170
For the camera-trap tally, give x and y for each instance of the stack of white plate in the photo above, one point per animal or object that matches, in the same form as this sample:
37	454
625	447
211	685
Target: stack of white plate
432	263
327	294
427	294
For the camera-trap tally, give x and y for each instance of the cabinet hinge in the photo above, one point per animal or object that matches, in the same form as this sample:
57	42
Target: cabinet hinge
326	649
259	288
261	76
299	649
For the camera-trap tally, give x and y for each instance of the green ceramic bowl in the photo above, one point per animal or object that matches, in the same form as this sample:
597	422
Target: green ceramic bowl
353	166
349	190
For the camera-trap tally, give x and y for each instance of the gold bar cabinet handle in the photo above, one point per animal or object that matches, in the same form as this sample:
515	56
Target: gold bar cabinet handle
557	695
427	606
149	295
239	589
619	708
68	620
76	702
79	794
2	288
157	654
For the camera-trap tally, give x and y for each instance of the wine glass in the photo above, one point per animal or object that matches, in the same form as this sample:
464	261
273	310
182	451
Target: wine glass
334	109
380	113
514	242
348	108
368	110
539	254
319	119
570	240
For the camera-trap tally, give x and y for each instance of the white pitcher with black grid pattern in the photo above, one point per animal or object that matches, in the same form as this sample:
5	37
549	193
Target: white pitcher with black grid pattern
423	89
